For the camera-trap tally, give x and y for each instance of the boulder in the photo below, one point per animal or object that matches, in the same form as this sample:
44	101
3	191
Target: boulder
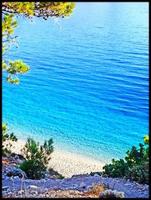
17	158
14	171
33	187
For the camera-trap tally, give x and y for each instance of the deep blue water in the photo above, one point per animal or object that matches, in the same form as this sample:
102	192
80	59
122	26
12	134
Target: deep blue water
88	83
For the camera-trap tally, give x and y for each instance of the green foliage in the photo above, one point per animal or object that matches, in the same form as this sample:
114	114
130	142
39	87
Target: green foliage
34	169
9	23
7	139
8	26
39	9
17	67
37	158
134	166
118	168
13	68
26	8
139	172
146	139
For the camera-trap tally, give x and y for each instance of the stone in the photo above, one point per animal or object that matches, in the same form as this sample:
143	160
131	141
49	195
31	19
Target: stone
34	193
82	185
5	188
45	189
33	187
16	178
20	192
17	156
96	174
14	171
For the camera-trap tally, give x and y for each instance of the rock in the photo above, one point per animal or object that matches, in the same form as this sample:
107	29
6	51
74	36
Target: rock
5	188
17	156
82	185
16	178
20	192
33	187
9	194
96	175
80	175
45	189
14	171
128	184
51	173
34	192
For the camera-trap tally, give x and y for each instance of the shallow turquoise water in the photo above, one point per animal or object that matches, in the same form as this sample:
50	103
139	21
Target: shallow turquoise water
88	83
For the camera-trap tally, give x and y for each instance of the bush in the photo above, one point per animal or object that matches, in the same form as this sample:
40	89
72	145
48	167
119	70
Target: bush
55	174
7	139
111	194
134	166
139	173
37	158
118	168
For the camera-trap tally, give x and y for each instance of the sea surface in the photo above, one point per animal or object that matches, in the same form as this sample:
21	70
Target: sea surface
88	84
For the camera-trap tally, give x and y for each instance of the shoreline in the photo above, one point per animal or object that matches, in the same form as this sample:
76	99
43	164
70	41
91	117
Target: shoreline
67	163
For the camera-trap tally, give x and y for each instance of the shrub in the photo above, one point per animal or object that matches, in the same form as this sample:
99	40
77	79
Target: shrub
118	168
139	173
111	194
134	166
55	174
7	139
37	158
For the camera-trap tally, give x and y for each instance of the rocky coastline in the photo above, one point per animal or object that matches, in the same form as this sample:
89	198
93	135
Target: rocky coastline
16	184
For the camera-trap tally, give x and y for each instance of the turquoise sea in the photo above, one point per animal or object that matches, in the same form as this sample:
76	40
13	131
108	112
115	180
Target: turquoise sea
88	85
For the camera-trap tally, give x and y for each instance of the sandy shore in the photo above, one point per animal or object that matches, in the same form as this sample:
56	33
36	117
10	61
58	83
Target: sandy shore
67	163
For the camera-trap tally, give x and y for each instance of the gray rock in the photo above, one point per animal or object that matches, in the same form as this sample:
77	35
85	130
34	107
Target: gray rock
33	187
14	171
20	192
81	183
17	156
5	188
